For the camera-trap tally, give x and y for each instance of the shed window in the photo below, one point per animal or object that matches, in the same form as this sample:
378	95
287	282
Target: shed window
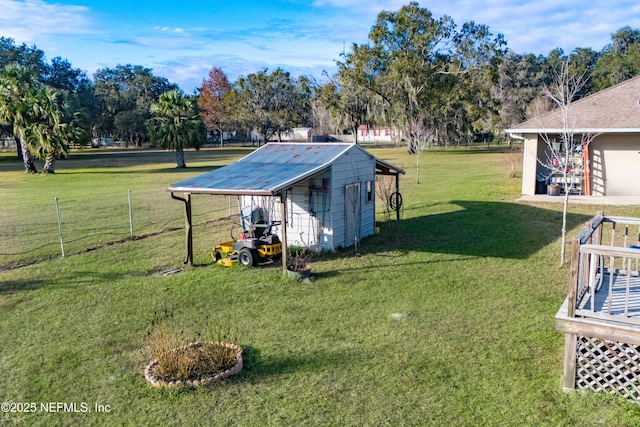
370	188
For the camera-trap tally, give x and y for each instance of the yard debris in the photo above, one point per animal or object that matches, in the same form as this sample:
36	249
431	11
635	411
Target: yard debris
170	272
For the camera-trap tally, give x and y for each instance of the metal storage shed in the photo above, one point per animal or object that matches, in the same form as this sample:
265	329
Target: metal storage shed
325	191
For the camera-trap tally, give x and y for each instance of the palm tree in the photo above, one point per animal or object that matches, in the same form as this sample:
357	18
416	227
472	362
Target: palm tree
48	130
176	124
16	83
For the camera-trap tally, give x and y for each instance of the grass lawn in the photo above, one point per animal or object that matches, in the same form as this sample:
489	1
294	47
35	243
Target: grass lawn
445	318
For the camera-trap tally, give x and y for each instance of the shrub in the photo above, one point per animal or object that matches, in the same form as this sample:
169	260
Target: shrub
513	162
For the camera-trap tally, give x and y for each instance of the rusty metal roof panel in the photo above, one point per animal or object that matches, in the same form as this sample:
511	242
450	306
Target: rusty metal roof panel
268	170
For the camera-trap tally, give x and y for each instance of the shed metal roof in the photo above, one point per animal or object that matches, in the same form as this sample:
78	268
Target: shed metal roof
268	170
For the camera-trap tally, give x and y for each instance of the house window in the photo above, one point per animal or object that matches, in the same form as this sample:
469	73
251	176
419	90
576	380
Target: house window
370	188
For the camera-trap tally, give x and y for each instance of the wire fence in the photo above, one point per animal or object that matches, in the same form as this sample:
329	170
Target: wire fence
33	230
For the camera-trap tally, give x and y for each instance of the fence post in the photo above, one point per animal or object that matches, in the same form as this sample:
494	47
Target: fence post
130	215
59	226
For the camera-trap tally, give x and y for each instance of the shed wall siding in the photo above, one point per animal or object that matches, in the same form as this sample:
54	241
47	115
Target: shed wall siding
354	166
321	226
308	215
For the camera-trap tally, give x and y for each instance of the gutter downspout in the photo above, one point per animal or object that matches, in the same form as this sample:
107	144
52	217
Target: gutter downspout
187	226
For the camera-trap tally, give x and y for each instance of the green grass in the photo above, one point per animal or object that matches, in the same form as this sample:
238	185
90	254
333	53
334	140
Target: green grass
445	318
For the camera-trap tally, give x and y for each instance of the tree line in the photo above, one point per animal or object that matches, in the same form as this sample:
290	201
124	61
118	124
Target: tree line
435	81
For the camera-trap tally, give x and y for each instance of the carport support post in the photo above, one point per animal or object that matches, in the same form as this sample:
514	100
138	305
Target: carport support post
187	225
283	222
398	192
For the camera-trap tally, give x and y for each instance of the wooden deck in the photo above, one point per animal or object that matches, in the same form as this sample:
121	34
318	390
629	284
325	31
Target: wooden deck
617	299
601	315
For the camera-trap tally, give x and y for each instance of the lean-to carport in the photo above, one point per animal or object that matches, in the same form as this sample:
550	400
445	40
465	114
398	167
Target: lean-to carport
272	170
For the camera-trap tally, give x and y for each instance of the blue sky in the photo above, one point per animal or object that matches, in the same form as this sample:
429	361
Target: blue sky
182	40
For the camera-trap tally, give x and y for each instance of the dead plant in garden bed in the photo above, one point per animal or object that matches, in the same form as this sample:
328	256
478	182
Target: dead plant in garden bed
191	364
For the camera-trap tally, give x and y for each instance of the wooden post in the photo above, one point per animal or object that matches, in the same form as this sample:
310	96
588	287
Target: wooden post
187	225
569	366
398	192
573	281
597	240
571	340
283	222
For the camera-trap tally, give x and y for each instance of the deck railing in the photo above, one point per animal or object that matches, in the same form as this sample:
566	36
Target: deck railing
605	256
601	315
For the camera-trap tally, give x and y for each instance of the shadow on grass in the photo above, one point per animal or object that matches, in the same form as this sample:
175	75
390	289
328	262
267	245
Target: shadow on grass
479	229
106	160
256	367
13	286
118	171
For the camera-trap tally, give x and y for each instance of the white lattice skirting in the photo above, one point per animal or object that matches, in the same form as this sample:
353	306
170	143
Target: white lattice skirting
607	366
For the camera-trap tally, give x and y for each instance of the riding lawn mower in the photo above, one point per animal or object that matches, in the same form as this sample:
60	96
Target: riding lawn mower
256	244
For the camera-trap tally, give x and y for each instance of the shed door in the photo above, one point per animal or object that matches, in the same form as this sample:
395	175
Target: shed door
352	214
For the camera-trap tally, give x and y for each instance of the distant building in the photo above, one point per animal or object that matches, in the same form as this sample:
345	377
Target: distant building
378	134
293	135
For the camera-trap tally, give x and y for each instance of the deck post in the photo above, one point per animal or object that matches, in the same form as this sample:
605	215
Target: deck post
597	240
569	367
573	281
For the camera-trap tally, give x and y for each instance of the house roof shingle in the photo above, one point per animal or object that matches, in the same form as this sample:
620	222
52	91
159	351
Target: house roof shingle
612	110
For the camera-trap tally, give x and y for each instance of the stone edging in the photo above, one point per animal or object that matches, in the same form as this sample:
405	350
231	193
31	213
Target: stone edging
157	382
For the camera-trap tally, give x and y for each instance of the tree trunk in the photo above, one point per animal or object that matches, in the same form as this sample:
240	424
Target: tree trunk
412	145
19	149
29	166
49	164
565	208
180	158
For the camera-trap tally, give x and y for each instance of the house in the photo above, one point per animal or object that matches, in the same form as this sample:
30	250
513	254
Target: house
324	191
611	162
377	134
295	134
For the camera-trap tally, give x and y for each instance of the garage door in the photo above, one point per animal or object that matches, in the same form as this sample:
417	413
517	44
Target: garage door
622	171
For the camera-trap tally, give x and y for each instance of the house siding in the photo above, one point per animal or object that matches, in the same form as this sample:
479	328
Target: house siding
615	165
529	164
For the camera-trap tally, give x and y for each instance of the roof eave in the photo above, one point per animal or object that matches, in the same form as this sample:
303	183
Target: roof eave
575	130
220	191
389	166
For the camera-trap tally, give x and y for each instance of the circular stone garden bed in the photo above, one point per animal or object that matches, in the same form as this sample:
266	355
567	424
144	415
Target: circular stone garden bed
195	364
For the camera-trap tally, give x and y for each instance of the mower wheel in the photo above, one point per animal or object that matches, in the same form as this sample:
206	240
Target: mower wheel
248	257
216	255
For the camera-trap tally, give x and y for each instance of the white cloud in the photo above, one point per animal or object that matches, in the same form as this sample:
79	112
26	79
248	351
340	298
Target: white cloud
535	26
33	21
